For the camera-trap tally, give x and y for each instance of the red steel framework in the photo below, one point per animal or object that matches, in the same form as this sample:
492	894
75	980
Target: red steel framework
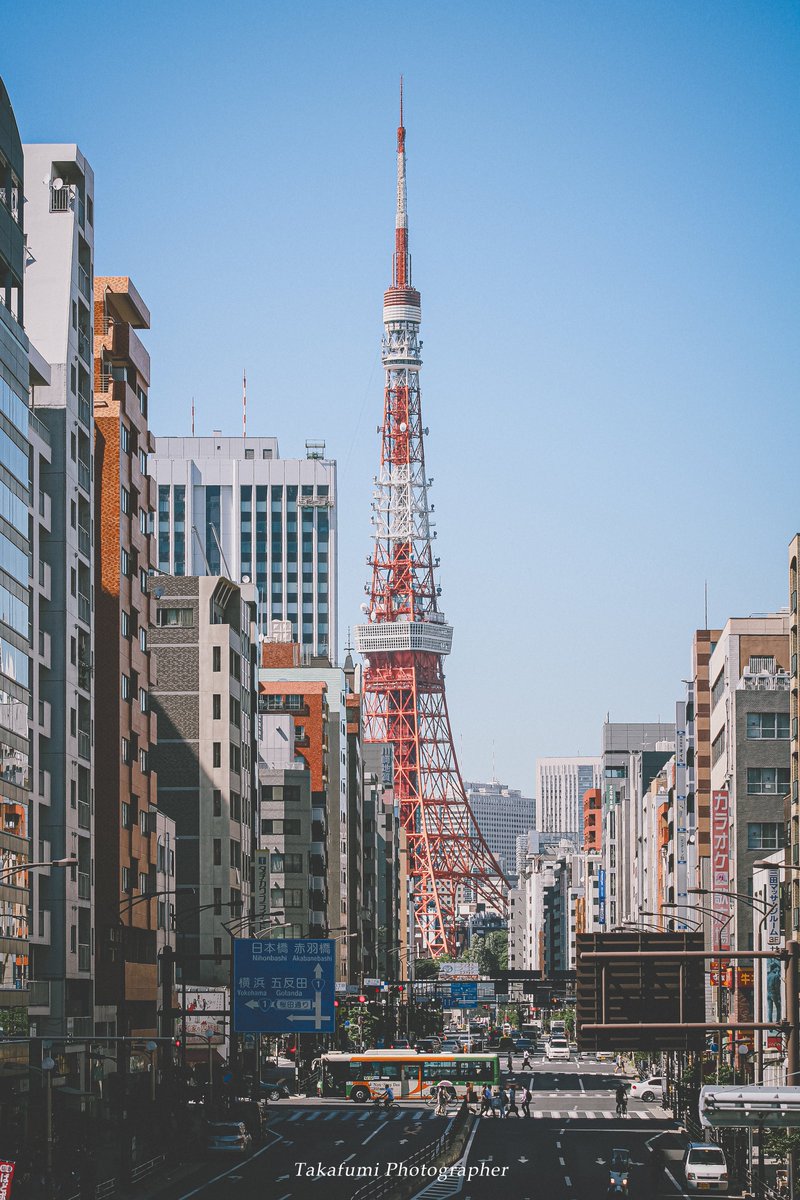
405	636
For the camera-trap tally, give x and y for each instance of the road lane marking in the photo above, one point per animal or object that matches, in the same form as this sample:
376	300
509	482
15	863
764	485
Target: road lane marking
561	1162
377	1129
225	1174
568	1181
296	1116
580	1081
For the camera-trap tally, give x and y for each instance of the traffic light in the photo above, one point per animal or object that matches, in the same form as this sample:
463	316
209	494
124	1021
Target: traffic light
336	1004
362	999
177	1042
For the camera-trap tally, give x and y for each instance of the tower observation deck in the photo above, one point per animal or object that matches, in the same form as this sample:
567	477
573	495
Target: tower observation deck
404	637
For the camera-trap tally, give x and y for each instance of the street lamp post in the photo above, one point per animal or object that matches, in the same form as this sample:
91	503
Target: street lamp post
31	866
48	1066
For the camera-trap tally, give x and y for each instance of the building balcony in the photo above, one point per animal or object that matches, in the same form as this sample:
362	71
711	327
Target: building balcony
84	413
84	822
84	347
84	609
84	886
84	284
126	344
84	745
84	957
84	675
85	477
84	542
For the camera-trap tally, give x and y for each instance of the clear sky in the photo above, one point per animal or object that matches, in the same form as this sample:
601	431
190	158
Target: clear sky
604	210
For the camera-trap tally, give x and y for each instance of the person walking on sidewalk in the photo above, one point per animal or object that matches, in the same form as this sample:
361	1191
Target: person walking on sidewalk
486	1101
512	1103
527	1096
503	1101
470	1097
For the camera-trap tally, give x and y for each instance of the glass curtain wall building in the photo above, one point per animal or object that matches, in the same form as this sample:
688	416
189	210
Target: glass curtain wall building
233	507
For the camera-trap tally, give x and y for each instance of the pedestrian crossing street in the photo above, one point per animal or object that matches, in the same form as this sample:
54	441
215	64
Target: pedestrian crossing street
361	1116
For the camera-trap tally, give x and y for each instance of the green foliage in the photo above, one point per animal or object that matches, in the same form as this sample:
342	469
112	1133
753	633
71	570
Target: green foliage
781	1142
14	1022
427	968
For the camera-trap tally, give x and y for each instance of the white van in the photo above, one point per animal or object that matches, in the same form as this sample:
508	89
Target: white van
705	1168
557	1047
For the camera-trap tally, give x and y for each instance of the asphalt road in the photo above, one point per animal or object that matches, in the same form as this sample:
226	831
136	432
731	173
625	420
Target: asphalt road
560	1153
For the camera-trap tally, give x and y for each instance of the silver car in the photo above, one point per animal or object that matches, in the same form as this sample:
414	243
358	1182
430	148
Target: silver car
230	1137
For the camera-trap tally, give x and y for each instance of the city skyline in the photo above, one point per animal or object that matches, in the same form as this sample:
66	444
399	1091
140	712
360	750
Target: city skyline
623	188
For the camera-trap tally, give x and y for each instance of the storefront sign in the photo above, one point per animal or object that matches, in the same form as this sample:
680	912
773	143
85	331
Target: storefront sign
6	1178
720	868
262	883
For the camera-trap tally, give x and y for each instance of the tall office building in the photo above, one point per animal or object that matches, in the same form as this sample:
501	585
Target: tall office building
125	817
501	814
204	661
233	506
59	191
793	804
15	571
750	773
633	754
561	784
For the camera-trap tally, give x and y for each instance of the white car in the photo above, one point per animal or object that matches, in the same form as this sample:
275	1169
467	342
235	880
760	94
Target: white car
647	1089
557	1048
705	1168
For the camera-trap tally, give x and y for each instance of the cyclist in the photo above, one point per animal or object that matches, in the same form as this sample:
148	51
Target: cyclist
622	1100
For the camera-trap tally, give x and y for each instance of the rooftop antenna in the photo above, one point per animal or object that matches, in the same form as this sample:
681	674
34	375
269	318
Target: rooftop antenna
244	403
192	416
705	605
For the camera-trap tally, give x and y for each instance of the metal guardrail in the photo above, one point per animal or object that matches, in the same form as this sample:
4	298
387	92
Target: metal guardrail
146	1168
107	1188
385	1186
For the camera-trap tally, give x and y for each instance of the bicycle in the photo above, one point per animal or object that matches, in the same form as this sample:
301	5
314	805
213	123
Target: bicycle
622	1108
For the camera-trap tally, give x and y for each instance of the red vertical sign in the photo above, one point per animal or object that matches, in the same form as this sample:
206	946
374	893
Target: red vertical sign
6	1178
720	868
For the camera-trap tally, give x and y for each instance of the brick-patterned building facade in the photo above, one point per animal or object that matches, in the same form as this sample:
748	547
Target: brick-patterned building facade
126	857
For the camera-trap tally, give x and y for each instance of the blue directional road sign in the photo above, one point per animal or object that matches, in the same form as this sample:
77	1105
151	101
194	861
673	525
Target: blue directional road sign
283	985
464	995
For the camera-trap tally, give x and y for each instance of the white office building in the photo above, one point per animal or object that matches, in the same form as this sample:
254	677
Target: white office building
501	814
561	784
232	506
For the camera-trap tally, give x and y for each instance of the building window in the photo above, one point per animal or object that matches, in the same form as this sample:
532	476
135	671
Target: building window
125	499
179	528
213	530
768	725
124	438
143	761
764	835
217	802
126	879
276	896
125	624
143	881
217	754
218	949
294	898
718	746
126	686
144	822
143	640
175	616
718	689
768	781
616	772
216	706
217	902
144	701
126	750
276	863
126	815
216	658
293	864
281	827
124	562
217	852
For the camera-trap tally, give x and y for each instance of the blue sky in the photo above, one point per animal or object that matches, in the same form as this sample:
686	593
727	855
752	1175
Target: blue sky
603	203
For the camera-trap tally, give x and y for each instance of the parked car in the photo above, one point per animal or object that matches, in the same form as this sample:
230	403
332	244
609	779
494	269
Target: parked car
428	1046
705	1168
647	1089
523	1043
400	1044
605	1056
448	1047
230	1137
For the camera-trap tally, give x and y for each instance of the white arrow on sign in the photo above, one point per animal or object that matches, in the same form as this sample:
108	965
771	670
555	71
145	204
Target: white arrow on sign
317	1016
522	1160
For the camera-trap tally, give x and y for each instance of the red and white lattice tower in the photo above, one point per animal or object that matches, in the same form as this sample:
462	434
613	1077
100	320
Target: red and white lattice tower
405	637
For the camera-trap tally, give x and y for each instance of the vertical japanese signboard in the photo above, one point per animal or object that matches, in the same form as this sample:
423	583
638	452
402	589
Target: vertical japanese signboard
774	912
720	868
262	884
601	896
6	1178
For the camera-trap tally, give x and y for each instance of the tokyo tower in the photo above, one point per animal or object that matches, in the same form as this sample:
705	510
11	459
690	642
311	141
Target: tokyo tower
405	637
